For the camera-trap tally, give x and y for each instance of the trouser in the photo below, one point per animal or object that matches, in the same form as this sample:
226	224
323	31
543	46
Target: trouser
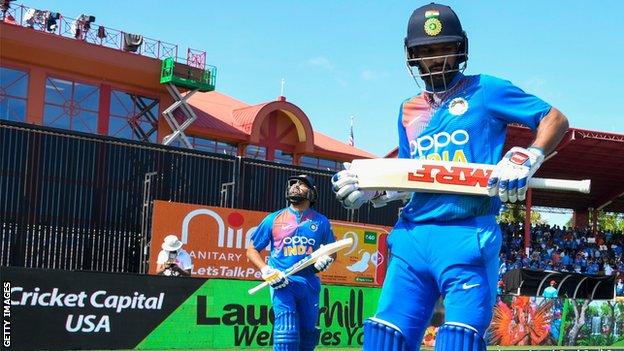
458	260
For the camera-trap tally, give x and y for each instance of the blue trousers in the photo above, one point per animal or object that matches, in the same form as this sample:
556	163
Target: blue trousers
458	260
301	295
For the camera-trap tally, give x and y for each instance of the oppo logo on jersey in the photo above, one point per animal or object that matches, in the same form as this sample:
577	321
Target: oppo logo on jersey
453	175
298	245
430	146
296	240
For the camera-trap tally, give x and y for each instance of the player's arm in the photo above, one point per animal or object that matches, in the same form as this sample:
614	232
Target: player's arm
511	176
550	131
260	239
274	277
506	104
254	256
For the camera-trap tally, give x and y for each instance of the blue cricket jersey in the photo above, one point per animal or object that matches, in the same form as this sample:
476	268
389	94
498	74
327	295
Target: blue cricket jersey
468	124
292	235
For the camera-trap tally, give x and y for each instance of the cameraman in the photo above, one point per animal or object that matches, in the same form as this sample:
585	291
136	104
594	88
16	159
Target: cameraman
172	259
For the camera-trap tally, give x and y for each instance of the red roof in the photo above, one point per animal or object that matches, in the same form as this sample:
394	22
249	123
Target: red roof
223	116
328	144
582	154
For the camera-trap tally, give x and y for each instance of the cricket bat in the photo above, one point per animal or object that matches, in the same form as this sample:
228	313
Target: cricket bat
442	177
309	260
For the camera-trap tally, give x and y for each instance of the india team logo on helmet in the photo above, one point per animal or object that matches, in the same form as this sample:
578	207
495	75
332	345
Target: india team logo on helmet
435	24
432	26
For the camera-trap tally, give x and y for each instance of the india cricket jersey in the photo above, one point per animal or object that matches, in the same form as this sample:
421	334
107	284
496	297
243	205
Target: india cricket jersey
292	235
467	124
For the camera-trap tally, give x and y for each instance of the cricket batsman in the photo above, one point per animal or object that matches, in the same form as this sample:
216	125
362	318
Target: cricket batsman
448	244
292	233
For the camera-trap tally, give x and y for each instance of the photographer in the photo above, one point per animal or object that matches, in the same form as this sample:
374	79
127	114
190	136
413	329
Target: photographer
172	259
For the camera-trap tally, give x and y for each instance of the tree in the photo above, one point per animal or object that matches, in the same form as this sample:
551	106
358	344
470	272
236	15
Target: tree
607	221
579	308
515	213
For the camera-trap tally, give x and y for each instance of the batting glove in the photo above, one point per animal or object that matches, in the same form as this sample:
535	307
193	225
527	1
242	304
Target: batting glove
347	190
274	277
323	263
511	176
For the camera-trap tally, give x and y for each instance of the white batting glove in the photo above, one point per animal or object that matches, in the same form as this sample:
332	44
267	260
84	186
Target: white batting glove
323	263
347	190
511	176
383	197
274	277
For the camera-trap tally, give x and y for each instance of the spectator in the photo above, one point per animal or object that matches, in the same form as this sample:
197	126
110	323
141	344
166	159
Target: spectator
551	292
619	287
608	270
172	259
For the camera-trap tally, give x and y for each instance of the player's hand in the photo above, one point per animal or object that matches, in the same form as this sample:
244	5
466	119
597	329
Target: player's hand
323	263
346	187
274	277
511	176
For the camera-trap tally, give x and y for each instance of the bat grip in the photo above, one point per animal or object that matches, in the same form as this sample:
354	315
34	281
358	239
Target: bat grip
581	186
257	287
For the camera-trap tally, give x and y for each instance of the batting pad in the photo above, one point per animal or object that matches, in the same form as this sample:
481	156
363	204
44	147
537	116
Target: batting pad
380	335
457	336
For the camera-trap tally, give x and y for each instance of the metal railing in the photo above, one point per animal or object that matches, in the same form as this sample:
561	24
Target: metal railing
79	29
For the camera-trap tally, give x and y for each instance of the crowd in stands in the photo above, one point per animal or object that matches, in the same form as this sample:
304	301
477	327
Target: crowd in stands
565	250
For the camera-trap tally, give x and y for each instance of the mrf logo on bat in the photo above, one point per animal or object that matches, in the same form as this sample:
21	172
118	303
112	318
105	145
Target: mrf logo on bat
455	175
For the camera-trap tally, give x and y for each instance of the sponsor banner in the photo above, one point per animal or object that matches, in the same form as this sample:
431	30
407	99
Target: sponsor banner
62	310
222	315
217	238
539	321
358	264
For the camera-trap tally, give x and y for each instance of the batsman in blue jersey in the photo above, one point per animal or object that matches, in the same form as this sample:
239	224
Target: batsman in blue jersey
291	234
445	244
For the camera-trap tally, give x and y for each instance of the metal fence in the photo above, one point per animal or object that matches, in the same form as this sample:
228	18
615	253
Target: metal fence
78	201
53	23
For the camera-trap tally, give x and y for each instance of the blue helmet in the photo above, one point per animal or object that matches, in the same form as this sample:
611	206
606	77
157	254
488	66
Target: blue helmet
312	194
435	24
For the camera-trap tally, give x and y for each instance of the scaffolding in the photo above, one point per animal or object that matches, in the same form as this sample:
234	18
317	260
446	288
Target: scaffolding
193	77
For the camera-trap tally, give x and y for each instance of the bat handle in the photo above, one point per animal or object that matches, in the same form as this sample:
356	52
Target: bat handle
257	287
582	186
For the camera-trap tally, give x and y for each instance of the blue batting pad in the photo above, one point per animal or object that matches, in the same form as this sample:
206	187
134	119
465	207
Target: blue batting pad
286	332
457	336
380	335
309	339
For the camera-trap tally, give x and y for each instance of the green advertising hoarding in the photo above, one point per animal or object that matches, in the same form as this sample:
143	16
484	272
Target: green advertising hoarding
221	314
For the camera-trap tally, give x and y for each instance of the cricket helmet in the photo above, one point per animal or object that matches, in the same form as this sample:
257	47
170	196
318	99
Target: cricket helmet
435	24
312	193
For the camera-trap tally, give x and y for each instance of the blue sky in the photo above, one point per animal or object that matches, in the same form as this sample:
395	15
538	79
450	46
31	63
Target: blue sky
343	58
